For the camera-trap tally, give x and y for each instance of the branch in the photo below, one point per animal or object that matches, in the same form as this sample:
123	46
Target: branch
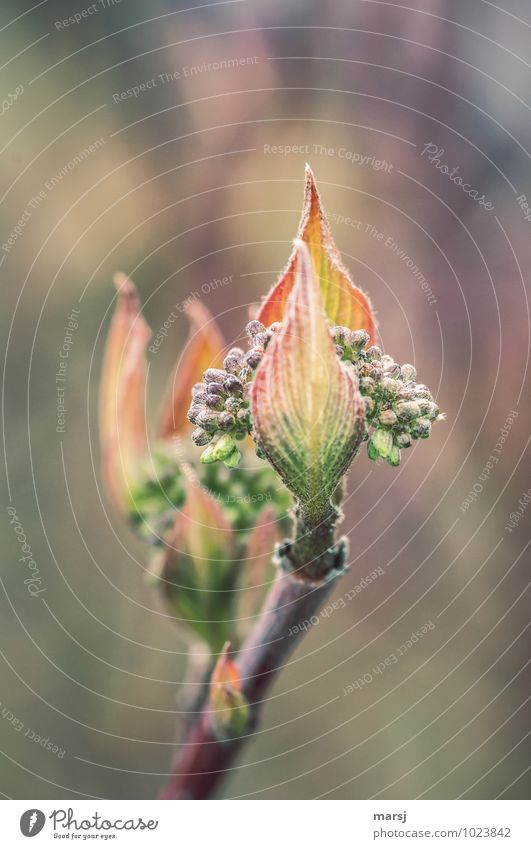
204	760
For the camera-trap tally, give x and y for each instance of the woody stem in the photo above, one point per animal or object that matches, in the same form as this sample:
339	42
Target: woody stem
203	760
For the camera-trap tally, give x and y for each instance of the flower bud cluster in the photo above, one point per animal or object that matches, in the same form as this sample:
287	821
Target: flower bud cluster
220	406
398	410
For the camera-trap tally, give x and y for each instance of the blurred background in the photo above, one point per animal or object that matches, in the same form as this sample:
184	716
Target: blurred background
168	140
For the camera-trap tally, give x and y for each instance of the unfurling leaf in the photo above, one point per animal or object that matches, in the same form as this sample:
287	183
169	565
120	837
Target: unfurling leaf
230	710
121	405
258	570
204	349
199	567
344	303
307	411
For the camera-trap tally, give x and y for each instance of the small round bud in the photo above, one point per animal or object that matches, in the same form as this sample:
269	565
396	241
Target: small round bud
243	416
390	385
214	375
367	385
198	389
420	429
388	418
254	327
232	384
208	420
215	402
231	364
215	389
359	338
232	405
339	350
428	409
374	353
403	440
409	372
194	412
407	410
200	436
235	352
226	421
254	356
261	339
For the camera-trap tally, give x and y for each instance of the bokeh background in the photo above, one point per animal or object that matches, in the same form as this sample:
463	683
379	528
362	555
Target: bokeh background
192	181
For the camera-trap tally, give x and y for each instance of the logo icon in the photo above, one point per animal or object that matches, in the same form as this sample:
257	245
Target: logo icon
31	822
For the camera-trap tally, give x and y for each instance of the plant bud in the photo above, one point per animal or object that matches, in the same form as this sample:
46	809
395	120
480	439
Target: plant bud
214	375
373	353
253	328
359	338
232	405
231	364
235	352
390	385
403	440
407	410
261	339
215	389
194	412
207	419
421	429
408	372
229	707
232	384
200	436
254	356
367	384
198	389
429	409
215	402
382	442
226	421
388	418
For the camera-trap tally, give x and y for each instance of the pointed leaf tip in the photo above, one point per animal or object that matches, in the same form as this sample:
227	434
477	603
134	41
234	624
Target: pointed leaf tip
308	414
230	710
204	349
345	304
121	404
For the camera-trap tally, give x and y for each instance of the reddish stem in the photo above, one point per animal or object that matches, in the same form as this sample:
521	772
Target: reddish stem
203	760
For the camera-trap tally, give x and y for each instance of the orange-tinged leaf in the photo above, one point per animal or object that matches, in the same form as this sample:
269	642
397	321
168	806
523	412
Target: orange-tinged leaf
225	672
122	416
345	304
203	350
258	570
307	411
202	529
230	709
